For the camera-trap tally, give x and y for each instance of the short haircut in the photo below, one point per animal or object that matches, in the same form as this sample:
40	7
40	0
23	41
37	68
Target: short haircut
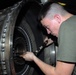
51	8
44	10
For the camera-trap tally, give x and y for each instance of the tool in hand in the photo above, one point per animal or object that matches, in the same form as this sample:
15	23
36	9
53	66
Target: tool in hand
17	53
40	49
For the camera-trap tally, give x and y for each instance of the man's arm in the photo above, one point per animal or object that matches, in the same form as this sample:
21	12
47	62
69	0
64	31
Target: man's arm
60	69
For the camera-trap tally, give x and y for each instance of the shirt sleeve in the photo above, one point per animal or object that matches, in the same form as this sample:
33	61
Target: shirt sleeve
67	44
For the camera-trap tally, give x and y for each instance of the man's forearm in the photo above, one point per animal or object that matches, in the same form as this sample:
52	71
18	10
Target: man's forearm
46	69
61	68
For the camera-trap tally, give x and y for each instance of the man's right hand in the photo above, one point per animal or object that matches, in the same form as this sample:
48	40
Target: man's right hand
28	56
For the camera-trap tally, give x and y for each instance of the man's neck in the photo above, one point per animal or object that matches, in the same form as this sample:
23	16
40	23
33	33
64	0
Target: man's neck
67	16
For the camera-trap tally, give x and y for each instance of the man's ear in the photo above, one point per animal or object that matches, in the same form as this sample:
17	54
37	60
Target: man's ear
57	17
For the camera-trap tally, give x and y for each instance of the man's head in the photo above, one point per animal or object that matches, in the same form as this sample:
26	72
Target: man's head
51	17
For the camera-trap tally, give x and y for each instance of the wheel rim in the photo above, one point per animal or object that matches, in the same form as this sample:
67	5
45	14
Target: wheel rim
21	45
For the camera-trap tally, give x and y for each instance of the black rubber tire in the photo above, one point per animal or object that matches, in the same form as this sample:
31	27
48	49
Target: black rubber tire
24	32
19	39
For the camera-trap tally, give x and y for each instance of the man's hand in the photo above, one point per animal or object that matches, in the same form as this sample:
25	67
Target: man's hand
48	41
28	56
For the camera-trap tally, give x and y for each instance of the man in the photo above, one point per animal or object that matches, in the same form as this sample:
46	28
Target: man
61	24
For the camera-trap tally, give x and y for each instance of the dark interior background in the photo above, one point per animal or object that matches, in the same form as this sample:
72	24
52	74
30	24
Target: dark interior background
70	5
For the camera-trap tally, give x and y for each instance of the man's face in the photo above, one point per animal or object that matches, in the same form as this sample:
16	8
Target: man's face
51	26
